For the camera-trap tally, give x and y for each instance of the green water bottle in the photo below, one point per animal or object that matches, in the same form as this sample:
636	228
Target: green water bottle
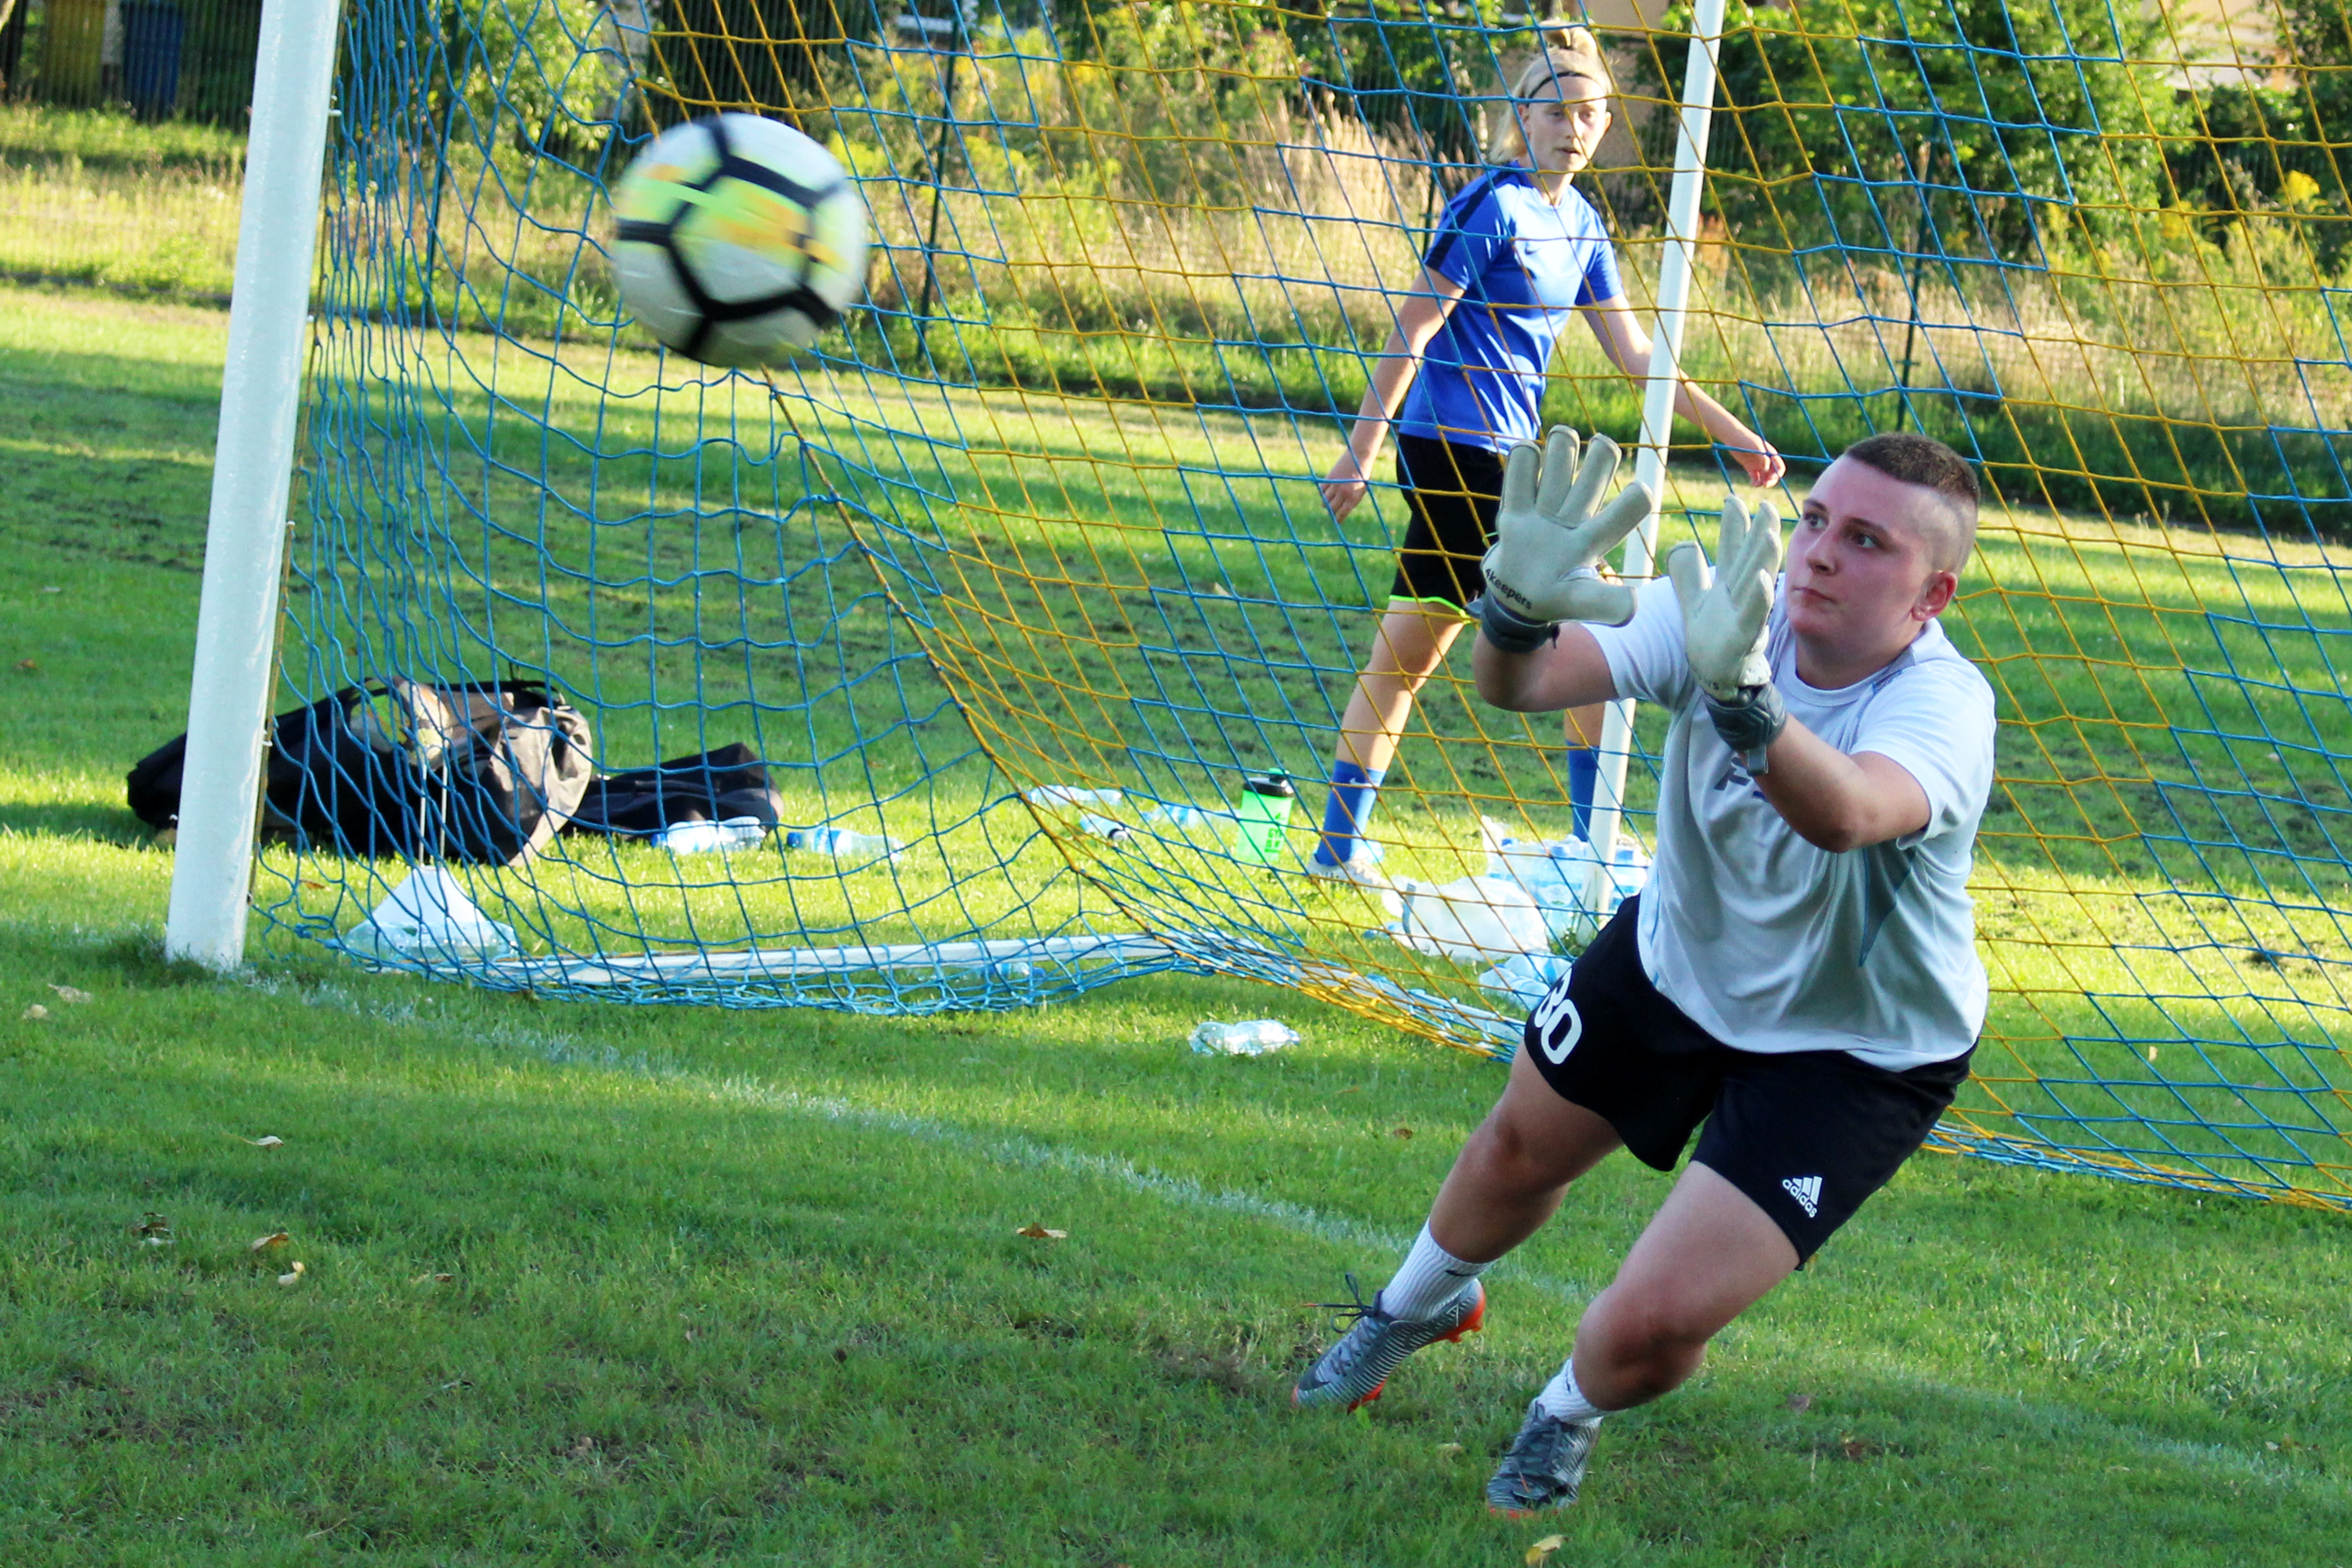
1263	815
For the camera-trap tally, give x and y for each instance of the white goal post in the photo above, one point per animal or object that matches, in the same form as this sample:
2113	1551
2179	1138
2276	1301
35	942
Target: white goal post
253	466
1658	401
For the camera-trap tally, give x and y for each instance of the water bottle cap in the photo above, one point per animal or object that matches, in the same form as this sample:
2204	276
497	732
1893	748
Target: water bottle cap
1275	784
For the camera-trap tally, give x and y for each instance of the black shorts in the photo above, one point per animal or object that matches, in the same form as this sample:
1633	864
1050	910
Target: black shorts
1453	492
1807	1134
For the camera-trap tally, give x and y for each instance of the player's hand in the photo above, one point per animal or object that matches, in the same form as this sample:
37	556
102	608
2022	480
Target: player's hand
1764	466
1550	538
1345	486
1725	610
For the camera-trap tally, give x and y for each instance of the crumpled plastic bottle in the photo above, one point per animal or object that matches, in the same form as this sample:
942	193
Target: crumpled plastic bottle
843	843
1102	826
1051	795
710	838
1183	816
1251	1038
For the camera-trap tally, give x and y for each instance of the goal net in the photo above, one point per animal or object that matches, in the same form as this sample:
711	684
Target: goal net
1039	517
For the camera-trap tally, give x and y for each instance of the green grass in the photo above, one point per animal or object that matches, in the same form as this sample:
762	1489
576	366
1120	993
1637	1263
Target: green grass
745	1286
2113	928
95	196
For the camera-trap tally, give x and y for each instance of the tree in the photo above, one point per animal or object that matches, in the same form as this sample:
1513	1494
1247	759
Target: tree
2277	154
1981	129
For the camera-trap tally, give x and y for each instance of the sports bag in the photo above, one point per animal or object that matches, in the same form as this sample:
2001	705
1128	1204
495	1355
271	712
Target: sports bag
711	786
482	771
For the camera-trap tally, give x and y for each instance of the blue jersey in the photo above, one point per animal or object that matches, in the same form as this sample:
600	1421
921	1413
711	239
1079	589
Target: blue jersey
1524	266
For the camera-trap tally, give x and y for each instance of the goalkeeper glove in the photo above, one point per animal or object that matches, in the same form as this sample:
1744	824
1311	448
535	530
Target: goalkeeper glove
1724	616
1543	568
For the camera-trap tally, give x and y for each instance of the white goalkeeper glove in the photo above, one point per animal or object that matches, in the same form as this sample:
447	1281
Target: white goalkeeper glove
1724	616
1543	569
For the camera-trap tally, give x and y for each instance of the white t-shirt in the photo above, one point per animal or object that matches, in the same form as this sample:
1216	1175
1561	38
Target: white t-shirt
1771	943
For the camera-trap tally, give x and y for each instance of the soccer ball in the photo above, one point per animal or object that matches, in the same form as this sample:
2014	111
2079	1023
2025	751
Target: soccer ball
739	239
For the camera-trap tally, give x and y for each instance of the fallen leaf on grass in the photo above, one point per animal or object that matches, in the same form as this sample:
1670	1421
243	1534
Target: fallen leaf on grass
292	1276
152	1229
264	1242
28	666
266	1140
1545	1548
36	1011
1447	1450
1800	1402
432	1279
1401	1132
1353	1088
1039	1233
69	994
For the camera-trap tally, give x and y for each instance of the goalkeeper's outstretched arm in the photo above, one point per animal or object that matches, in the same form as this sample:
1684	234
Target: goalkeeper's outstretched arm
1567	672
1836	802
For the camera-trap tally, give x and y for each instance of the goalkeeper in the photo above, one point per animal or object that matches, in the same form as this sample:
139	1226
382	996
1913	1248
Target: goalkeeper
1797	983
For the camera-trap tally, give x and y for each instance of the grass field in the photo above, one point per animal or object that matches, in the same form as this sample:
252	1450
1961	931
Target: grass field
683	1285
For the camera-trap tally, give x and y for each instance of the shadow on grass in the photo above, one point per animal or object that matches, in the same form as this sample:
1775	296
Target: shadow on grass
99	824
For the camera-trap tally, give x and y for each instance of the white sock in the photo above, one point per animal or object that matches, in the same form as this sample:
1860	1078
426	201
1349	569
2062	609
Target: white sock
1429	1277
1561	1398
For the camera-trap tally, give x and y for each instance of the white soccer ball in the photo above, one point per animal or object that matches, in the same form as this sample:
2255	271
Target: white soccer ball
739	239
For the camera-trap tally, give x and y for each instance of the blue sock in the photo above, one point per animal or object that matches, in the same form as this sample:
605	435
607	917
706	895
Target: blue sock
1354	792
1583	780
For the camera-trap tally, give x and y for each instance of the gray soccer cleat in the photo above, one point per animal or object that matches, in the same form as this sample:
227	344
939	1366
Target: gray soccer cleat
1354	1371
1544	1464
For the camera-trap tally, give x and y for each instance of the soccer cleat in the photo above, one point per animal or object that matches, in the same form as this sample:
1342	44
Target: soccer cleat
1363	867
1354	1371
1544	1466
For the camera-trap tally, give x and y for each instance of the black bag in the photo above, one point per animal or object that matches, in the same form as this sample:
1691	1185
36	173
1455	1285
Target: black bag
711	786
485	771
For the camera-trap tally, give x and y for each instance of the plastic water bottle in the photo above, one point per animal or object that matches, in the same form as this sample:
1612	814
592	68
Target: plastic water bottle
1109	827
1265	813
844	844
1251	1038
1177	817
710	837
1052	795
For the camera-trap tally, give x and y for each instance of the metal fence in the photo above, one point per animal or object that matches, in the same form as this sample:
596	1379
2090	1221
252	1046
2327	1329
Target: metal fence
190	59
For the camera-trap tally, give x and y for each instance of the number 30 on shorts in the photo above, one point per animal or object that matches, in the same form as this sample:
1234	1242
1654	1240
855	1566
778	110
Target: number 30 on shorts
1557	1025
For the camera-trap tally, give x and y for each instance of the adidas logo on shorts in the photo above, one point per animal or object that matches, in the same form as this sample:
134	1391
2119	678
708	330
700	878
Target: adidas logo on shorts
1807	1191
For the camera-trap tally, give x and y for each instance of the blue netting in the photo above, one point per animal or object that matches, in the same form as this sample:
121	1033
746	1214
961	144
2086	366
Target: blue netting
1041	512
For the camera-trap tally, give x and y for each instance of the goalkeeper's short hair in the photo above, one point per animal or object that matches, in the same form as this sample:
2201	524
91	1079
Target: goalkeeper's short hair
1923	460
